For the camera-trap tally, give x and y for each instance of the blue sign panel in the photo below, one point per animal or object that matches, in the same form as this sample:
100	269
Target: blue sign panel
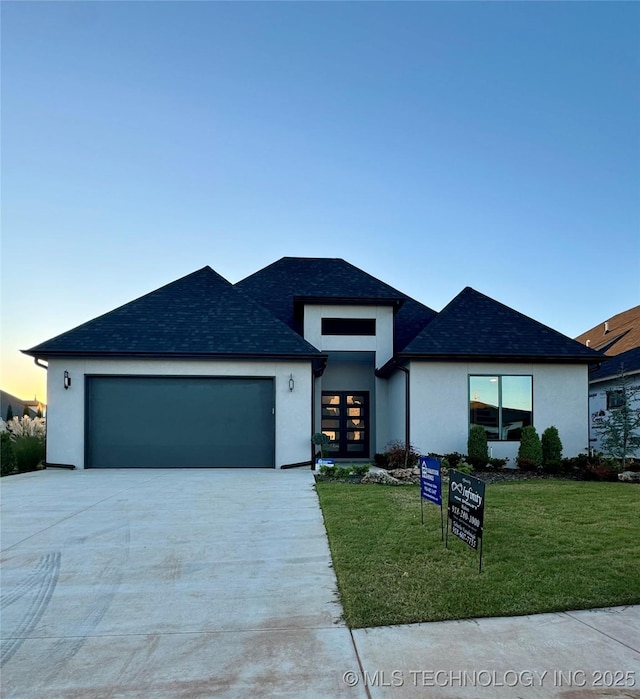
430	480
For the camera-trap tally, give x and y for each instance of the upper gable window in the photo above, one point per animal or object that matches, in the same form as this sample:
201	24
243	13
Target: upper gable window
348	326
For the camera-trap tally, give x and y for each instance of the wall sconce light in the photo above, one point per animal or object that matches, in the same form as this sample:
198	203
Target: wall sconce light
67	380
291	382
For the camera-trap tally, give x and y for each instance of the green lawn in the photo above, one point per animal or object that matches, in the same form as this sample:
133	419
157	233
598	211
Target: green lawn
549	545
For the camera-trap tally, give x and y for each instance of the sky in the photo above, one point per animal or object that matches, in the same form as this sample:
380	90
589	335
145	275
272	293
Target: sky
435	145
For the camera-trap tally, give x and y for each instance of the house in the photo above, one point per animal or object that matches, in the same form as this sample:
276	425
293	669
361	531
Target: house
19	407
619	339
242	375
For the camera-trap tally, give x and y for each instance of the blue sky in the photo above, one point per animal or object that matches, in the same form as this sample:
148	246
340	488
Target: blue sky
434	145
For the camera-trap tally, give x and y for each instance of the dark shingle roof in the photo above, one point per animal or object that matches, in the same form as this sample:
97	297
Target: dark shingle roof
475	326
629	361
277	286
201	314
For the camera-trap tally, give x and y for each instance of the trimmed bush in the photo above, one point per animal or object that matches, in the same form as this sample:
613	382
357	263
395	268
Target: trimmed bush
7	455
551	450
477	447
530	451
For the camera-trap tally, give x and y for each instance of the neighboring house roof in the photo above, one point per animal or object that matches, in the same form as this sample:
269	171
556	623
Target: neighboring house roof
200	315
475	326
618	334
628	361
284	286
17	405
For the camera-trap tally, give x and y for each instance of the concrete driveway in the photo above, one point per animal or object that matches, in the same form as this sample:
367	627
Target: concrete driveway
194	583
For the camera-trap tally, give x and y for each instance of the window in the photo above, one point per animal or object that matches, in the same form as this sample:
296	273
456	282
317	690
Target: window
503	405
615	399
348	326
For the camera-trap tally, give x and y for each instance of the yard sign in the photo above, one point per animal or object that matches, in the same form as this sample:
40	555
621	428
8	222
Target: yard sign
430	488
466	509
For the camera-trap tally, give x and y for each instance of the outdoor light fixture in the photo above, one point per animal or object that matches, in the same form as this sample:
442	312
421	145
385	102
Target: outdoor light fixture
67	380
291	382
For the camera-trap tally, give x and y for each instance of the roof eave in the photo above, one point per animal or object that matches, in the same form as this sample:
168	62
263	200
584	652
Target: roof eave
540	358
77	354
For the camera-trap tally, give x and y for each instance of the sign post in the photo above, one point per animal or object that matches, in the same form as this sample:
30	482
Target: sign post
430	488
466	510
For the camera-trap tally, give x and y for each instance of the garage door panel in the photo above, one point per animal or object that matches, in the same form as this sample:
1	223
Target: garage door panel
170	422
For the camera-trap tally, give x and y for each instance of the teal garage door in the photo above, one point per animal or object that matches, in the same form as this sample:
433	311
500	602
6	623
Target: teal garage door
179	422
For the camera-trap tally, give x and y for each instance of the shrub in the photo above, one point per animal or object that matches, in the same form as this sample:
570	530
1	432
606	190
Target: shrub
453	459
530	451
344	473
381	460
7	455
29	453
464	467
399	456
551	450
600	468
27	435
498	464
477	448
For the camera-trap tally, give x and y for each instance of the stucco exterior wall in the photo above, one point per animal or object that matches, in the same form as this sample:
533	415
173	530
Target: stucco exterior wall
396	410
440	404
66	408
381	343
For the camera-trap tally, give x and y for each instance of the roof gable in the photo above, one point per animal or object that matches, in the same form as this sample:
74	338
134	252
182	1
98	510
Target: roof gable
201	314
475	326
277	286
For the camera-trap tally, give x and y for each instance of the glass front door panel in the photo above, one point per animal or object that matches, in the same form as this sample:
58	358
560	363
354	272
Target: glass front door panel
345	420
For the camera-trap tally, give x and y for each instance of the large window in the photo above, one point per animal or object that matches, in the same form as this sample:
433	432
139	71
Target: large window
503	405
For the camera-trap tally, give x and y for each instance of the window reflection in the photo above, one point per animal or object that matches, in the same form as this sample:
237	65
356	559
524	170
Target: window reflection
502	405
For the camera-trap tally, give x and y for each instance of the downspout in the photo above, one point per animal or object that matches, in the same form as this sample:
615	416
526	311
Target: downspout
407	414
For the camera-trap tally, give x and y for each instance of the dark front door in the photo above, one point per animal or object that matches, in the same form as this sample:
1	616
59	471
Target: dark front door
345	419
